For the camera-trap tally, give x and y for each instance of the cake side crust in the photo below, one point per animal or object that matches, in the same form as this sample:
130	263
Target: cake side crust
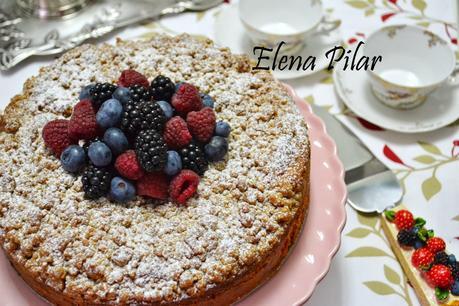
286	203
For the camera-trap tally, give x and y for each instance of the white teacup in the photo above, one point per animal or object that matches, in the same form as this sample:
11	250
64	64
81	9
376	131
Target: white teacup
268	22
415	62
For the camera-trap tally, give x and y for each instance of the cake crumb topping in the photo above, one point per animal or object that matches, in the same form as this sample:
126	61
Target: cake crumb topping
142	250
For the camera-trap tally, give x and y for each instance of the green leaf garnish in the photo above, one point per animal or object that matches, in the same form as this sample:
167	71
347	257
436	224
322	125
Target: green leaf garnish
390	215
419	222
441	294
425	234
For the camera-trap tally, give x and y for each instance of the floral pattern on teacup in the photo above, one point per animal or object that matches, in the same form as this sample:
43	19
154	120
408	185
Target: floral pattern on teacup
432	39
397	96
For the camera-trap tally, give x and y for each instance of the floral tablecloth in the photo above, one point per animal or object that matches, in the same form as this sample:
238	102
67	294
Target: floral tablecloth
427	165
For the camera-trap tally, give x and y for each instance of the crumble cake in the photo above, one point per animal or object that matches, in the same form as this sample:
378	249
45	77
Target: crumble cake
225	242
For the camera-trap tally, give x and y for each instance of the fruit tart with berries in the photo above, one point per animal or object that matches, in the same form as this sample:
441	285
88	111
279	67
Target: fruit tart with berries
160	172
431	270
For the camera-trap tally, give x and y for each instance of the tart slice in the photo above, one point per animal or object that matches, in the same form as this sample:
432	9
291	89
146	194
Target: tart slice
431	270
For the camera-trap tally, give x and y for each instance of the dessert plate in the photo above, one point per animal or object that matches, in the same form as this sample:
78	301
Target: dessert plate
440	109
309	260
229	32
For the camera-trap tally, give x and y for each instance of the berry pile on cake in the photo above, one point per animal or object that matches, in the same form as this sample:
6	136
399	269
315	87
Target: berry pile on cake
161	136
230	237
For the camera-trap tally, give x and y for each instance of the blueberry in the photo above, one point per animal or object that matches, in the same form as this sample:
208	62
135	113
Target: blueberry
116	140
84	94
207	100
109	113
222	129
167	109
216	149
455	288
415	230
121	190
99	153
73	158
177	85
173	164
418	243
122	94
451	259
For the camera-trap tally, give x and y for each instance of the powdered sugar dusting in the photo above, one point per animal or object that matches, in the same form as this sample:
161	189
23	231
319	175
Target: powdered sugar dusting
143	251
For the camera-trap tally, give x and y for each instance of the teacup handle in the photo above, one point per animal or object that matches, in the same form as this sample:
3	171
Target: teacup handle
326	26
453	79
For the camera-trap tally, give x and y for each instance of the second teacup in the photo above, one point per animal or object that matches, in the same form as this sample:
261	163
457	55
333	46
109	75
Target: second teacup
415	62
269	22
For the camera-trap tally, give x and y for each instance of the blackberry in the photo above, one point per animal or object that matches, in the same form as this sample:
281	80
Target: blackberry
454	270
101	92
193	158
162	88
441	258
144	115
139	93
96	182
151	150
406	237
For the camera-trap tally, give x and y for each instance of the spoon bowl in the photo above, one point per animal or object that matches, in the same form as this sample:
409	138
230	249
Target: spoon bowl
199	5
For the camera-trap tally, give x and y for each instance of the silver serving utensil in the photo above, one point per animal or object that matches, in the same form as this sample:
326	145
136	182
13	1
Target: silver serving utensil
350	150
372	187
23	36
50	8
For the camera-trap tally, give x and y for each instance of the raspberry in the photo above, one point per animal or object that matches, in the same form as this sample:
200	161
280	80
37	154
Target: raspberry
404	219
131	77
154	185
187	99
56	137
436	244
184	186
440	276
83	123
128	166
202	124
176	134
422	259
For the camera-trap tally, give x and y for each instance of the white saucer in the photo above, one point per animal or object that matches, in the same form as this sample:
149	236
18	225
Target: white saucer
440	109
229	32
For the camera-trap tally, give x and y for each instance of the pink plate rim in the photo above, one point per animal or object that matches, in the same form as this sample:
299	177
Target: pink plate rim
319	129
309	260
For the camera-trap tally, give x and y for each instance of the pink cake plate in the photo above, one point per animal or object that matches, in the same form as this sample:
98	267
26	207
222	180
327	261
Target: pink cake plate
310	259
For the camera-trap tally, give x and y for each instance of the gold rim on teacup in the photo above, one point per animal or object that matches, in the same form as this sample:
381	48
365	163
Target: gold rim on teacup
268	22
415	62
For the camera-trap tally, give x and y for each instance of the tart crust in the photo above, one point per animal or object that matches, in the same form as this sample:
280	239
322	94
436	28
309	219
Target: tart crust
228	240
